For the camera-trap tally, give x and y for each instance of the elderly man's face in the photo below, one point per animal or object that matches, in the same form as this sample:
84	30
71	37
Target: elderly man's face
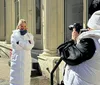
23	26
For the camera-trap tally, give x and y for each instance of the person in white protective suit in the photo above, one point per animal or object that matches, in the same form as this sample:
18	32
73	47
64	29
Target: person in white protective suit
22	42
83	58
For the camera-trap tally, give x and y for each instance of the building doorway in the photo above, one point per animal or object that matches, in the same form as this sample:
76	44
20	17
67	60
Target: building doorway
4	19
16	12
73	13
38	16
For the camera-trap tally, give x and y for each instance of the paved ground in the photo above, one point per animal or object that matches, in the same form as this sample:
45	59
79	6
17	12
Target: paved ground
4	71
4	74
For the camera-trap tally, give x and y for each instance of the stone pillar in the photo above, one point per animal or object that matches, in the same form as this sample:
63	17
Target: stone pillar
10	19
27	12
2	32
31	6
85	13
32	23
23	9
52	23
53	35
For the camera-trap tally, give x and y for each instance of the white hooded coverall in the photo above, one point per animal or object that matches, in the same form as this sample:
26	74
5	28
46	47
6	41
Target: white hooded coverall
21	58
88	72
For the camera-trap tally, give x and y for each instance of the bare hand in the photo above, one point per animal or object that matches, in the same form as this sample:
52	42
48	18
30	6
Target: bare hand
75	34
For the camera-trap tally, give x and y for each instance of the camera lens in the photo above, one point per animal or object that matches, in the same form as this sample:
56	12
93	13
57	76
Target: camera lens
71	27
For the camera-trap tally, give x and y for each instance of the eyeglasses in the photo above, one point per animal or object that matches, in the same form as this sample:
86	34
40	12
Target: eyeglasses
23	26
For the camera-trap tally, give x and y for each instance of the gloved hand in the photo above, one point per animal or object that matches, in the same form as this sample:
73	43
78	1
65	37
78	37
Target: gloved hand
17	42
29	41
61	47
64	46
65	53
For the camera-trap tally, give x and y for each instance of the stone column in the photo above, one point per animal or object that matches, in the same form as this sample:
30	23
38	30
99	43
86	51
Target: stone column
32	12
53	35
23	9
31	5
2	32
27	12
53	27
10	19
85	13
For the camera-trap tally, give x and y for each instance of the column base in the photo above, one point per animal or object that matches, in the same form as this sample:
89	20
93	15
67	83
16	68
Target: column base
47	64
49	53
7	41
2	38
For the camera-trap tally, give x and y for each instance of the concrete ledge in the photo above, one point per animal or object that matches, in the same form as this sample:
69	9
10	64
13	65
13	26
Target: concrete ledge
47	63
41	80
5	45
5	49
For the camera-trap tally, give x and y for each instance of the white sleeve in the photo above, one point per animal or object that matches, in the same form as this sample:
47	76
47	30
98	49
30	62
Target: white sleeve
26	45
14	43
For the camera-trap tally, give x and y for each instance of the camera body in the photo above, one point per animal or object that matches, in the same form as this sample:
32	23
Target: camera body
77	26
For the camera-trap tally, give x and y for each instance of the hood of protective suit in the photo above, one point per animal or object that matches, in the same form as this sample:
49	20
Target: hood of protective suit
94	21
89	34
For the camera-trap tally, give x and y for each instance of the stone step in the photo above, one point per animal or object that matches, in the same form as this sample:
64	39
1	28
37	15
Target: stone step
41	80
35	73
36	70
34	81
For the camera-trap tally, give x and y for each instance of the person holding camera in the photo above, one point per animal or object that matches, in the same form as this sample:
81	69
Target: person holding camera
83	58
75	28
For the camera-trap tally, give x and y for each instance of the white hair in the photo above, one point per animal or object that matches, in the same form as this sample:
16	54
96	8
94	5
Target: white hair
20	22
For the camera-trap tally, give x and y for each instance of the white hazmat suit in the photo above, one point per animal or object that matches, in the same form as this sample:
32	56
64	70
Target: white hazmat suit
21	58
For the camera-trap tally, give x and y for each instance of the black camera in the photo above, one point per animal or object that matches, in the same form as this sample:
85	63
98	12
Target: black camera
77	26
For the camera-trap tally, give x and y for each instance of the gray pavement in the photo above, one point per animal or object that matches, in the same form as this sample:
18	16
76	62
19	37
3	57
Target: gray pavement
5	70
